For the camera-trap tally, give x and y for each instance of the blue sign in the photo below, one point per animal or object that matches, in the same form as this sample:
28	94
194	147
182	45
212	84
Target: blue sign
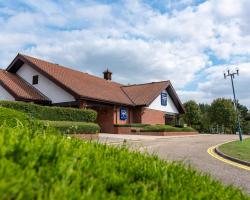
164	99
123	113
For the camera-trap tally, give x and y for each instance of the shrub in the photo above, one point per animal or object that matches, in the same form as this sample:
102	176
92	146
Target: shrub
49	166
166	128
13	118
131	125
51	112
68	127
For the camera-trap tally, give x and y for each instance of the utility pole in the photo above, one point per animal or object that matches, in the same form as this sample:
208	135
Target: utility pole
232	76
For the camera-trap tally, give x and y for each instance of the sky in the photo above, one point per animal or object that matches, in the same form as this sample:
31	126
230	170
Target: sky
190	42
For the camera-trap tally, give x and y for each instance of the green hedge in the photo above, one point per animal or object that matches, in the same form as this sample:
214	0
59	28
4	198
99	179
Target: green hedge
68	127
40	165
166	128
13	118
131	125
52	113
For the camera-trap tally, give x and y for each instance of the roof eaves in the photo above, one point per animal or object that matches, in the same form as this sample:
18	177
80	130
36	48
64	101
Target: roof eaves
33	65
159	92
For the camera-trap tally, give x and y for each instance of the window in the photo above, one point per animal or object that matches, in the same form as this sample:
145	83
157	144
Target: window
164	99
35	80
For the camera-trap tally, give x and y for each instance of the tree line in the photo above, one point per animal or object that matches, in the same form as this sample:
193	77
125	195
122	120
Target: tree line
217	117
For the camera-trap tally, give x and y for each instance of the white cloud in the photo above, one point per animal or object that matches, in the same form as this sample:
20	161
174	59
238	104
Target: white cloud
136	41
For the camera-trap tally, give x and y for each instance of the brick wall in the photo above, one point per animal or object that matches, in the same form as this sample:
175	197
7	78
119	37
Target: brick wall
150	116
136	113
105	118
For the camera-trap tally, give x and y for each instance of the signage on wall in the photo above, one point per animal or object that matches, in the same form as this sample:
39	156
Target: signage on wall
123	113
164	99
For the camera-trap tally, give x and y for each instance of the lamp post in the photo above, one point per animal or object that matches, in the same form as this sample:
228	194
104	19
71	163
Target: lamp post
232	76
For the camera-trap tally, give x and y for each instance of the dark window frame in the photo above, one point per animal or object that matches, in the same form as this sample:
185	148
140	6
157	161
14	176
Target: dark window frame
35	79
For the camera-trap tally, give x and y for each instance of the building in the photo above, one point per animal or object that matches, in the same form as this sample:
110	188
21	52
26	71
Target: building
33	80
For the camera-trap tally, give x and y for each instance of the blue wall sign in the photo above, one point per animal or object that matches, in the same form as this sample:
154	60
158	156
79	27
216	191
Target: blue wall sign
123	113
164	99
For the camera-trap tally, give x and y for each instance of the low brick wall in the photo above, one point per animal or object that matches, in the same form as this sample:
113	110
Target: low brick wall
122	130
165	133
86	136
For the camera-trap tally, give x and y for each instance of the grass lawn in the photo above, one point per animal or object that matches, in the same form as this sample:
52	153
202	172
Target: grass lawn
237	149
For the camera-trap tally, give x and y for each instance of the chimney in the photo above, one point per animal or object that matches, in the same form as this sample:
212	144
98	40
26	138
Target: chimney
107	75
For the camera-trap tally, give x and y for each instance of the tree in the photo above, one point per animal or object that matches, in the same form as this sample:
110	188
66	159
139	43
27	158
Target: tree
222	113
204	118
243	111
193	113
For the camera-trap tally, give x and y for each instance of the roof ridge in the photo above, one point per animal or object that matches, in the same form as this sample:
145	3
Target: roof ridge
146	83
127	95
69	68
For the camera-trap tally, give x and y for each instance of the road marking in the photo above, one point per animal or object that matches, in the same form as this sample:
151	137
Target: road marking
215	155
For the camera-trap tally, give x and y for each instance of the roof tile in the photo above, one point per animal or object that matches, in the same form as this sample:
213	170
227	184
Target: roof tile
19	88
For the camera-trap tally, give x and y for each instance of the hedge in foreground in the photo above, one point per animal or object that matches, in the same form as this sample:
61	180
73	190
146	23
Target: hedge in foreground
166	128
52	113
68	127
48	166
13	118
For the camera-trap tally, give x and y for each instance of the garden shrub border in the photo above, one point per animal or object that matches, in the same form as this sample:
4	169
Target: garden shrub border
69	127
52	113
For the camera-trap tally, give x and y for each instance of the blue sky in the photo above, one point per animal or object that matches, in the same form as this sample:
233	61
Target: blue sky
190	42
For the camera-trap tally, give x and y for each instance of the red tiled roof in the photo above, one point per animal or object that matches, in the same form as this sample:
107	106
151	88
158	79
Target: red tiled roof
144	94
85	86
20	89
82	84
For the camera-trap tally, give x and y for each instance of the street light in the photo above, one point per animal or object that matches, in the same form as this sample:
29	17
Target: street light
232	76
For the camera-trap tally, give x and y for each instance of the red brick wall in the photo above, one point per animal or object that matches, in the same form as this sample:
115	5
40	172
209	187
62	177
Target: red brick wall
136	115
105	118
150	116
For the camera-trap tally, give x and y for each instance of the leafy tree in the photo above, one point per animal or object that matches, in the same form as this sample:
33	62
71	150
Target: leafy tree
222	113
248	117
193	113
204	118
243	112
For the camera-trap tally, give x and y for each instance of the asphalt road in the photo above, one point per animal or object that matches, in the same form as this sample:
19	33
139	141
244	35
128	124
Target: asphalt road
193	150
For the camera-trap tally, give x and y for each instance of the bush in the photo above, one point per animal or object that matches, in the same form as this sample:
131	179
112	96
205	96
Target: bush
52	113
13	118
131	125
68	127
49	166
166	128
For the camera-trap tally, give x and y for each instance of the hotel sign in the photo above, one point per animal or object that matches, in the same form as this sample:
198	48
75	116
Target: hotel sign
123	113
164	99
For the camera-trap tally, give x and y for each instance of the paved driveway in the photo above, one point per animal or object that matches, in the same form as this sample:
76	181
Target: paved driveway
193	150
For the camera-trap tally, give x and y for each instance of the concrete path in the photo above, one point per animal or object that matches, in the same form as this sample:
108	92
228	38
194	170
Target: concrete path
192	150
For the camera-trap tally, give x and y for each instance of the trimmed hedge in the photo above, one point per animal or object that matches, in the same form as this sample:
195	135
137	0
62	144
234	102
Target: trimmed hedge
52	113
67	127
166	128
41	165
13	118
131	125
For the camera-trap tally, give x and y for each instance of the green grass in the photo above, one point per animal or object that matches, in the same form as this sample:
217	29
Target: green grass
37	164
167	128
69	127
237	149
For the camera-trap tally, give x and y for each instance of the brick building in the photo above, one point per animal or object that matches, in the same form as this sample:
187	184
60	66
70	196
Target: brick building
34	80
